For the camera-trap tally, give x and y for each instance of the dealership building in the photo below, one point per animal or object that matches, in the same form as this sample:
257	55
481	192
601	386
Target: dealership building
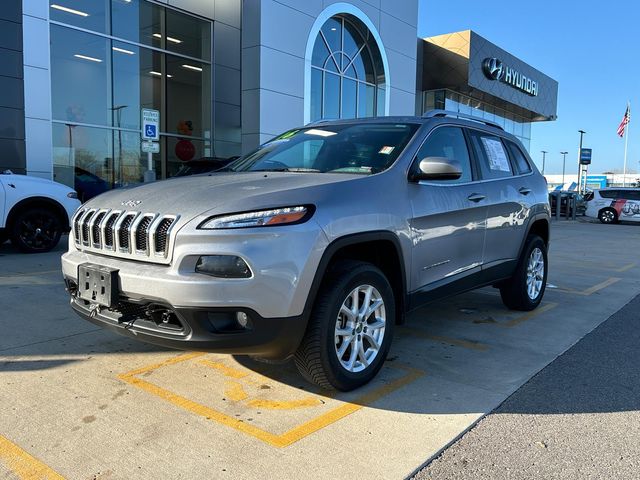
227	75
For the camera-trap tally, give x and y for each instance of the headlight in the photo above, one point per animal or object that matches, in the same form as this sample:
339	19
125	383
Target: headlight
72	195
263	218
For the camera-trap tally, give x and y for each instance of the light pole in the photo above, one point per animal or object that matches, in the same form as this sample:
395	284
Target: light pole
544	156
582	132
564	161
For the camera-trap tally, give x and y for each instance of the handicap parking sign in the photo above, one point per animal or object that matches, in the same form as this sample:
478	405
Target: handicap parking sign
150	124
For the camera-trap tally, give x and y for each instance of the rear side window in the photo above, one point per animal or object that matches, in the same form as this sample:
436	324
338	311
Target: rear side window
492	155
630	194
610	193
519	158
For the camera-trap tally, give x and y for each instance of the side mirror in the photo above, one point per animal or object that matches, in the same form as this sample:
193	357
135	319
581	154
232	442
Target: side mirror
436	168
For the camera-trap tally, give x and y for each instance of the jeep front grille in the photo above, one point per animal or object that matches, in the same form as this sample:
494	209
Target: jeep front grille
135	235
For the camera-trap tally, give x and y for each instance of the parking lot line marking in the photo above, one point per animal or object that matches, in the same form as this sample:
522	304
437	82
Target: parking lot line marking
285	405
600	286
224	369
481	347
626	267
25	466
275	440
528	316
235	392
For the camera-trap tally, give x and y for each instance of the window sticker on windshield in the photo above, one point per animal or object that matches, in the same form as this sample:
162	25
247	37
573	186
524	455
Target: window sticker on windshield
386	150
495	153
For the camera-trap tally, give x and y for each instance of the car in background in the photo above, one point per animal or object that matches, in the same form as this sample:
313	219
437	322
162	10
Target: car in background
565	198
203	165
34	212
611	205
89	185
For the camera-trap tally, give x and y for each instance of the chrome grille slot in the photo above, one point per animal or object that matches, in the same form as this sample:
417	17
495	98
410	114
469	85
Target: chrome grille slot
96	238
142	233
76	225
123	231
161	234
108	230
134	235
85	227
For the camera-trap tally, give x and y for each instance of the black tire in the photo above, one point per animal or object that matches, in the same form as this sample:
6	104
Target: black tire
36	230
317	356
608	216
515	292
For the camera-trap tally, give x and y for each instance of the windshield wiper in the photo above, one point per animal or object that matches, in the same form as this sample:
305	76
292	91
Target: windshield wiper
294	170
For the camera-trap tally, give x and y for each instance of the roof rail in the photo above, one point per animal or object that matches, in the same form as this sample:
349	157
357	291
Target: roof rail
447	113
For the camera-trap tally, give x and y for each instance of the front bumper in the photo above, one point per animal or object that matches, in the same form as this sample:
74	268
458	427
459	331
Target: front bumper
199	329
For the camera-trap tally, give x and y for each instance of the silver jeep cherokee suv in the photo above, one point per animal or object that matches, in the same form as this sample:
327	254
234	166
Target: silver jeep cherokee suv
316	244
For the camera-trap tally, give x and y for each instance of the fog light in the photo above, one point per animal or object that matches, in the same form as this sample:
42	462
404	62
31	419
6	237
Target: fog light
242	319
223	266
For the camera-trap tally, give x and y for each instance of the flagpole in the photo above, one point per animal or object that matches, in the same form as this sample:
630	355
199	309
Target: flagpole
626	142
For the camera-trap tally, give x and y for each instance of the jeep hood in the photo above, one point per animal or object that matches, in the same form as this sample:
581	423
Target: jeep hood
191	196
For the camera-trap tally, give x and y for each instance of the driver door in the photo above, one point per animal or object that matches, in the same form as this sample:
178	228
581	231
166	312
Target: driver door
449	216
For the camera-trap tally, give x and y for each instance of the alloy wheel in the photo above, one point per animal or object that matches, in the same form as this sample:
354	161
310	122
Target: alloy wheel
535	273
360	328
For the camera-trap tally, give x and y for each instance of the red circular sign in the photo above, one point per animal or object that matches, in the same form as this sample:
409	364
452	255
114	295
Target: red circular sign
185	150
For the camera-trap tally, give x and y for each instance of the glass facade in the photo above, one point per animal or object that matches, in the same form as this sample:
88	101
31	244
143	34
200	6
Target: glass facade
456	102
347	73
110	59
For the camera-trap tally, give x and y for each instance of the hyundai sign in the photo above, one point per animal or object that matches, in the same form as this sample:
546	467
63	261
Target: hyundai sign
495	69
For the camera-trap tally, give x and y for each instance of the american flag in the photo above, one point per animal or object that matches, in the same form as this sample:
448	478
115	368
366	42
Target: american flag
625	120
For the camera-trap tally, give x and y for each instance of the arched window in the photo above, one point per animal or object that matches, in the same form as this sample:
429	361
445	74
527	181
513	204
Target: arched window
347	71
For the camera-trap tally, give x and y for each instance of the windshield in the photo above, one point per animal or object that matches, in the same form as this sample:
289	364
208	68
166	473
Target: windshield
361	148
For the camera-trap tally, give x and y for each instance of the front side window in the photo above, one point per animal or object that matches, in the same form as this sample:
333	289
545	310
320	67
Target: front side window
448	142
492	155
347	72
610	193
359	149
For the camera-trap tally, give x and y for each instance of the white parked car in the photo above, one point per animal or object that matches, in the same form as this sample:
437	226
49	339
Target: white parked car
34	212
611	205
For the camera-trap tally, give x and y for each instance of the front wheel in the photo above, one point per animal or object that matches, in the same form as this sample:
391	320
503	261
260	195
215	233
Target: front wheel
608	215
525	289
350	328
36	230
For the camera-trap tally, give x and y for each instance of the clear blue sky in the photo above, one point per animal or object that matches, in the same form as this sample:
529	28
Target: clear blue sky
592	48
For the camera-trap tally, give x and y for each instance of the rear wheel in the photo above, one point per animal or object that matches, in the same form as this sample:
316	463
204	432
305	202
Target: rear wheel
525	289
608	215
36	230
350	328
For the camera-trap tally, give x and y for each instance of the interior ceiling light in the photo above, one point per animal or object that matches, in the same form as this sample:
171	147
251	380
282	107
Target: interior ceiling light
122	50
170	39
69	10
85	57
158	74
191	67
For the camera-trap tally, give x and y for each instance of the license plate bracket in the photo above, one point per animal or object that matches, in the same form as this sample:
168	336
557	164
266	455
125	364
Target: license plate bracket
98	284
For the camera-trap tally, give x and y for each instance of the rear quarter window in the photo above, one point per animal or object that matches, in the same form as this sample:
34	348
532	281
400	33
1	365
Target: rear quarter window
519	159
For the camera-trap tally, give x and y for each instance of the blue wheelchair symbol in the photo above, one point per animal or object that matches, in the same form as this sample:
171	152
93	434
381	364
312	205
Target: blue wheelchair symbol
150	131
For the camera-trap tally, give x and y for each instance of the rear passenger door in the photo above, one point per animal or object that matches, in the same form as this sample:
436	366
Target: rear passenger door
448	216
509	192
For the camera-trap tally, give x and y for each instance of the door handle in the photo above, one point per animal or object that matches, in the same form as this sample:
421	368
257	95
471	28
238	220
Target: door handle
476	197
525	191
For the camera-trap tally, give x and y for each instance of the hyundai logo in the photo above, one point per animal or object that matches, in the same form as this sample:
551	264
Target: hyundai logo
131	203
493	68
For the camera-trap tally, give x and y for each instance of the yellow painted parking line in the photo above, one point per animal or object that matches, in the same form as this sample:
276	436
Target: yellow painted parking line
528	316
235	392
626	267
285	405
224	369
471	345
275	440
591	290
23	465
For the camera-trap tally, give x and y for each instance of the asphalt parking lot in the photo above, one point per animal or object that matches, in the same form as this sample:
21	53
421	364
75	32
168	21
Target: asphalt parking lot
80	402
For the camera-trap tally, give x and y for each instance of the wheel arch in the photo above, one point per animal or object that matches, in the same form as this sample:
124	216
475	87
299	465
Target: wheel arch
38	202
381	248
